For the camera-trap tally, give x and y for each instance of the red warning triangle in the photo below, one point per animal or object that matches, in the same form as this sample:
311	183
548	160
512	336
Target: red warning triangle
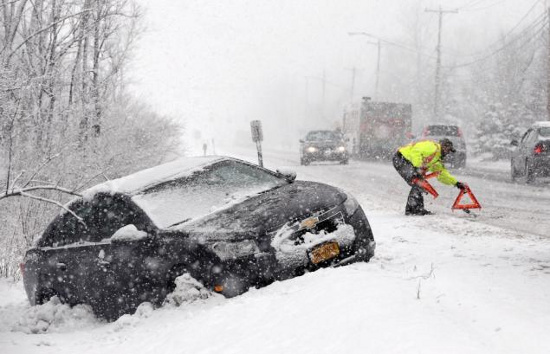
472	203
427	187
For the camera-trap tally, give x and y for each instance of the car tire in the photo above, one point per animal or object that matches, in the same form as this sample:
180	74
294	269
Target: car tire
513	173
304	162
529	173
344	162
233	285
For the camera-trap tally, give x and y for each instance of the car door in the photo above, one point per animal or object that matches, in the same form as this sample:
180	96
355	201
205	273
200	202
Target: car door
519	154
108	270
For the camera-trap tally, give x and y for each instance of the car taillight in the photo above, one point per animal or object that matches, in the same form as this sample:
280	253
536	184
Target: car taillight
22	269
460	132
539	149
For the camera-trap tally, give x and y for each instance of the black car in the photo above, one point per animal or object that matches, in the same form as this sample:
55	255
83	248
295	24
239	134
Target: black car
437	132
323	145
531	158
229	224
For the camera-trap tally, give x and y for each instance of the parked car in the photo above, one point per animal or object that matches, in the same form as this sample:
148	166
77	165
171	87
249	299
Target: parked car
454	133
531	158
323	145
230	224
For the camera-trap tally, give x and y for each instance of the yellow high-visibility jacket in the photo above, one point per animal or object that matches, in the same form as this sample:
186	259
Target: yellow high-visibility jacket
426	154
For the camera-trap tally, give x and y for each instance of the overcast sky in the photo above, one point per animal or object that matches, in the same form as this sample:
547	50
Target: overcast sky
218	64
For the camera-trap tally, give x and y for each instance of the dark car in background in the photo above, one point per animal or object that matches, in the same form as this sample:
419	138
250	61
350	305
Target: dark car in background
437	132
323	145
531	158
229	224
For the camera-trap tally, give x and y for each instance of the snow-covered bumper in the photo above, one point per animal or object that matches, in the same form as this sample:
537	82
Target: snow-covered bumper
332	237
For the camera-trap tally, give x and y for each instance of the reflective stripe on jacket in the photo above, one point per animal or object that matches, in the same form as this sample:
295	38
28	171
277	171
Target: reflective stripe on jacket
426	155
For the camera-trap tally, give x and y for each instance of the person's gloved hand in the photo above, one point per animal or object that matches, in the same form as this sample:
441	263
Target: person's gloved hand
460	185
418	173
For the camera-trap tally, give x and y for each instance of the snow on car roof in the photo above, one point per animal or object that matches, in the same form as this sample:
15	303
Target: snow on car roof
140	180
541	124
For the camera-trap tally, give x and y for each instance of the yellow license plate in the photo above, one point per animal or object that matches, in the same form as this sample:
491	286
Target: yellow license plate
324	252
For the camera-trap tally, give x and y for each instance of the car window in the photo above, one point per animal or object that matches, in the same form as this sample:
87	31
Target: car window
442	130
321	135
545	132
101	217
525	136
218	187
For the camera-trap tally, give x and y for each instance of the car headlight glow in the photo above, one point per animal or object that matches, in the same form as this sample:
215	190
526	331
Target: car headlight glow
341	148
232	250
311	149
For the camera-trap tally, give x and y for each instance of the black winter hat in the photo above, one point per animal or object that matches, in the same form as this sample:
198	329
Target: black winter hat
446	143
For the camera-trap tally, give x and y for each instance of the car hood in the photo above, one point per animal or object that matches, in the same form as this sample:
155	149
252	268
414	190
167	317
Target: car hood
324	144
265	212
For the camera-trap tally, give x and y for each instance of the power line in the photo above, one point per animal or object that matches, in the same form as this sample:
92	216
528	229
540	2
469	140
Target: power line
471	3
538	31
529	29
486	7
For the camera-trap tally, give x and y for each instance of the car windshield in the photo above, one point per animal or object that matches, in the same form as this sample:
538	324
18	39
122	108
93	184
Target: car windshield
322	135
545	132
215	188
442	130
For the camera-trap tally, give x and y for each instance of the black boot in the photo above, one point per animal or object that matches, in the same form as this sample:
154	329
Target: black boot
415	202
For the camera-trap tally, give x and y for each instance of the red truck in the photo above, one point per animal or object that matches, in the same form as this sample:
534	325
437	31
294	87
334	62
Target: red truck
377	129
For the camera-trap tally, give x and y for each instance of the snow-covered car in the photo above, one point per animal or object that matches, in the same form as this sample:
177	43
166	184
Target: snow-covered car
437	132
230	224
323	145
531	158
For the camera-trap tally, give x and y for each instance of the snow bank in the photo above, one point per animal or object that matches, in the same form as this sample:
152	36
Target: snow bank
54	316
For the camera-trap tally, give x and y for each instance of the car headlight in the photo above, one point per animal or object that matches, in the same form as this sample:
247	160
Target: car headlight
232	250
311	149
351	205
341	148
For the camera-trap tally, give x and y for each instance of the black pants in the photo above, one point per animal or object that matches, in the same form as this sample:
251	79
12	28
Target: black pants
415	201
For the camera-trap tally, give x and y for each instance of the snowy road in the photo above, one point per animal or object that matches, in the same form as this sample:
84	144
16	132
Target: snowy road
519	208
447	283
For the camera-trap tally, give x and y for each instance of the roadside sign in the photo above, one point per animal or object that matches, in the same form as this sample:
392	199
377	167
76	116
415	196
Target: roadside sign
257	137
256	128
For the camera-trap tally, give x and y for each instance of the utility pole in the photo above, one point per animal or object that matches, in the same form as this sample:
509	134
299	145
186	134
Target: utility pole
438	62
324	85
352	90
548	70
378	44
377	70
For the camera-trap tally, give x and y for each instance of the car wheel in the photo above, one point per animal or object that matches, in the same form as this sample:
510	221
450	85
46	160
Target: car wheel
230	285
529	173
45	295
513	172
344	162
304	162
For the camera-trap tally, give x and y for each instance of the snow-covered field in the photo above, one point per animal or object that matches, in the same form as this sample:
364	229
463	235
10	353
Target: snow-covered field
447	283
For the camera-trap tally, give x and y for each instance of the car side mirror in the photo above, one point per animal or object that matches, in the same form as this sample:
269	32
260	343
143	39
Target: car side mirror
129	233
289	175
514	143
302	141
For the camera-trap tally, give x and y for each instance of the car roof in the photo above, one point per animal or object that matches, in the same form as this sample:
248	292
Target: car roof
541	124
441	125
141	180
321	131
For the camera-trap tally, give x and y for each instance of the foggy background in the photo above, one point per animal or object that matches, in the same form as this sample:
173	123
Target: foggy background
217	65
